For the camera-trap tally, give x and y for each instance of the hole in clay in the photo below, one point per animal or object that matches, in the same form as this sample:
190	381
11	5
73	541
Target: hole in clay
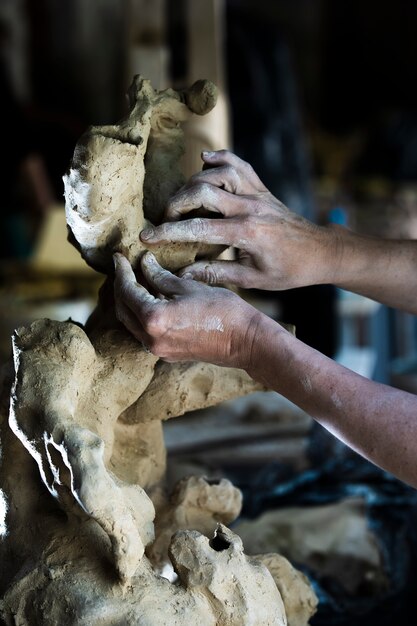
212	481
219	543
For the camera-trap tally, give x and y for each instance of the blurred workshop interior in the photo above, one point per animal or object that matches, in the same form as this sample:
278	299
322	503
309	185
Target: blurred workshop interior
320	96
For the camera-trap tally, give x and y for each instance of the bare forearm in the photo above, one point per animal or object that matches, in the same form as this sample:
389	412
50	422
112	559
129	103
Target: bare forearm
375	420
382	269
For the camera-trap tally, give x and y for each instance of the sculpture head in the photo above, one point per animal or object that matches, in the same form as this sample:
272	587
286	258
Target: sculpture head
121	176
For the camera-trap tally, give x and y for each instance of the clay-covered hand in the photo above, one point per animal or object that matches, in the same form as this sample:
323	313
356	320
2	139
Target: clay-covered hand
187	321
276	248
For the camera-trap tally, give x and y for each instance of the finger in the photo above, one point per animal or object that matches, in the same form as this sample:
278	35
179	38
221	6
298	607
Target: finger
205	195
160	279
244	169
128	290
221	232
223	157
130	321
220	273
224	176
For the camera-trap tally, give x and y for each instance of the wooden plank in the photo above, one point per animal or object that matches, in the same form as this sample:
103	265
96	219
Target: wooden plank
287	451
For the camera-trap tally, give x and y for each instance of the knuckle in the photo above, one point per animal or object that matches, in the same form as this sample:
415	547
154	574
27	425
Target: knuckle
209	275
198	227
154	323
204	188
250	225
159	345
230	171
232	177
257	208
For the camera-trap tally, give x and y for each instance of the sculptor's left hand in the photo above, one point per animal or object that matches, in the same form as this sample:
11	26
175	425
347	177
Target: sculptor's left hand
190	322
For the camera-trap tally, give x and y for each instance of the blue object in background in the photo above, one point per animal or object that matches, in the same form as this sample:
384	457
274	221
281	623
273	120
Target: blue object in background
338	215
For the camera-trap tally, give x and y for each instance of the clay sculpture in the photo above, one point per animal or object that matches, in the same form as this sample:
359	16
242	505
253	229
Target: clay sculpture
82	456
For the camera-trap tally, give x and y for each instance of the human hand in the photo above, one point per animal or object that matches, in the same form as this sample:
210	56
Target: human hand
276	248
190	322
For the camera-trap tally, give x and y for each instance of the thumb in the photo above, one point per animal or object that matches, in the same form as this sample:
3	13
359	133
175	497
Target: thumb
219	272
159	278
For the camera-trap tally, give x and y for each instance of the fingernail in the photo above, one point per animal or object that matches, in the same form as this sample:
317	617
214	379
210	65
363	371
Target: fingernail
187	276
207	154
147	233
116	256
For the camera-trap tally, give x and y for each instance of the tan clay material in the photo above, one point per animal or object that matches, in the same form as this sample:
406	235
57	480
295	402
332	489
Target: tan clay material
195	504
299	599
109	199
83	438
218	584
194	386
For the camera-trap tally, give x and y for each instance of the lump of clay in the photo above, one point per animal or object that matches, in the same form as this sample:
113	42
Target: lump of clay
65	401
217	584
241	588
196	385
194	504
299	599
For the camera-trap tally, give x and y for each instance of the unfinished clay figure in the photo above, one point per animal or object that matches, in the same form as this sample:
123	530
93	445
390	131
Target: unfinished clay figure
82	449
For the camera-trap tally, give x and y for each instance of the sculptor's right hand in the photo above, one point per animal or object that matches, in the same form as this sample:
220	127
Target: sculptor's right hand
276	248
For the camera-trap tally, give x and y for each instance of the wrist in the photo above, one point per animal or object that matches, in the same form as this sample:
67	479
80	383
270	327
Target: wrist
263	335
243	338
318	257
332	252
350	256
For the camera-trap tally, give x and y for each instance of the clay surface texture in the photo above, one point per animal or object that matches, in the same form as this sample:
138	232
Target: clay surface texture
82	457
